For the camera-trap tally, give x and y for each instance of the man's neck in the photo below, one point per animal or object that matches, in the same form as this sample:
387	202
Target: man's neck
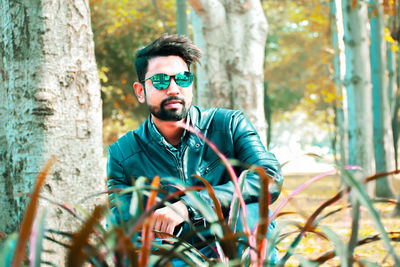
172	131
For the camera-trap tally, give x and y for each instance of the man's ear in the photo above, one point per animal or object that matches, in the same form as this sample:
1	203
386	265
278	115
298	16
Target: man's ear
139	92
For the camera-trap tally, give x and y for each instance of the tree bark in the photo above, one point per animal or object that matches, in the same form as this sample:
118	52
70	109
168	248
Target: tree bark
359	95
340	70
383	136
232	35
358	86
49	105
181	17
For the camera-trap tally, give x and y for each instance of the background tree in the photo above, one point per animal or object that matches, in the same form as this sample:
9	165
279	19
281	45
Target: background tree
232	36
383	136
358	86
50	105
341	117
181	17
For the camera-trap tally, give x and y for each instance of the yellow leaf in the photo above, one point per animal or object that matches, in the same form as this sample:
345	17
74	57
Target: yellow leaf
388	36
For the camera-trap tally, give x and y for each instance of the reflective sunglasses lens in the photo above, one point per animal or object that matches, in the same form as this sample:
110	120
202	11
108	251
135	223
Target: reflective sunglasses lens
160	81
184	79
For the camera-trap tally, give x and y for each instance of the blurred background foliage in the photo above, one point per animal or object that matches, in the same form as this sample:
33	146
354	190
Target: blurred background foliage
120	28
297	68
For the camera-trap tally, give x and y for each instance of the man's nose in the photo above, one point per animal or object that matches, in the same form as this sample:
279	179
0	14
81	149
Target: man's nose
173	88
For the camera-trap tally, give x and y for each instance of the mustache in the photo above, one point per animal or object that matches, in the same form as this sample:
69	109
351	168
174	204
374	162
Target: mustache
171	98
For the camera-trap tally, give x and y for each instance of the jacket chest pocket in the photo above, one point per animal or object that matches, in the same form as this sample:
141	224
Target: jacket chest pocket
211	166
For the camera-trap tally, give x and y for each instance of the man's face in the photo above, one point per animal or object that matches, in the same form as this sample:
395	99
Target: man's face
172	103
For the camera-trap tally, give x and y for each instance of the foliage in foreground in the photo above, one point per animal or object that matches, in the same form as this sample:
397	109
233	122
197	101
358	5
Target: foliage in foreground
132	243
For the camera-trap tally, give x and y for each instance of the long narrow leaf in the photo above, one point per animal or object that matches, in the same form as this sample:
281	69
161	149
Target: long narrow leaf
8	249
36	241
264	201
340	247
125	244
27	222
77	255
147	235
3	235
235	208
298	190
304	186
211	193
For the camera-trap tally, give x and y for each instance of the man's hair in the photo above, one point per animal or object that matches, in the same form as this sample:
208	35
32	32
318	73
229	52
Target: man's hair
166	45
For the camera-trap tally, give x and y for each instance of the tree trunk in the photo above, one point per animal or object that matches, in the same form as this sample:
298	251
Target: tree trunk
392	75
181	17
340	70
358	86
232	35
359	95
49	105
383	136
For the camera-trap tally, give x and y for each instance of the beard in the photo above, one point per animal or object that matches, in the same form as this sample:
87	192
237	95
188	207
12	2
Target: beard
169	114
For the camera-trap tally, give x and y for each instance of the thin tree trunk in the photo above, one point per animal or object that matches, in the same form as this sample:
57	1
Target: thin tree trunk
383	136
50	105
232	35
181	17
340	70
359	95
358	86
392	87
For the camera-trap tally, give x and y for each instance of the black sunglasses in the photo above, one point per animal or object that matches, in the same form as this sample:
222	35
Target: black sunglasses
161	81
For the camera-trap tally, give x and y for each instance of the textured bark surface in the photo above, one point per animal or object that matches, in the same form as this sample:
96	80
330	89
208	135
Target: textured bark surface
232	36
340	71
49	105
383	135
358	85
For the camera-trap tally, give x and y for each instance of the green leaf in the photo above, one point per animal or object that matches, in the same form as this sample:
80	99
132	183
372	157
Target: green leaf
340	248
7	249
36	240
234	209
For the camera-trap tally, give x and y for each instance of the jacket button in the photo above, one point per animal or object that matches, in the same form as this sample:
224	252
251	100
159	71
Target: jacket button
197	145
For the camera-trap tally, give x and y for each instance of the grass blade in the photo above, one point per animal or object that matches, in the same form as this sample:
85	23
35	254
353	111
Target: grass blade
210	190
125	244
77	254
27	222
7	249
147	235
36	241
235	208
340	248
262	229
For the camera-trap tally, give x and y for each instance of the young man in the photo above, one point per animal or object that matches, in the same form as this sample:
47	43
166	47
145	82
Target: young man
160	146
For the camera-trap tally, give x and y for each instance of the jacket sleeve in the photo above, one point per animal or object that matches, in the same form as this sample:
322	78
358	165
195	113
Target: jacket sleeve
117	180
247	149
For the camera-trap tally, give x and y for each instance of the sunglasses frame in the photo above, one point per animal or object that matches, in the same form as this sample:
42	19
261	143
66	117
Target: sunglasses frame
160	87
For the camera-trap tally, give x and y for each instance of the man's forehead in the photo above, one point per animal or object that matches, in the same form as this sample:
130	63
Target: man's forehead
166	62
